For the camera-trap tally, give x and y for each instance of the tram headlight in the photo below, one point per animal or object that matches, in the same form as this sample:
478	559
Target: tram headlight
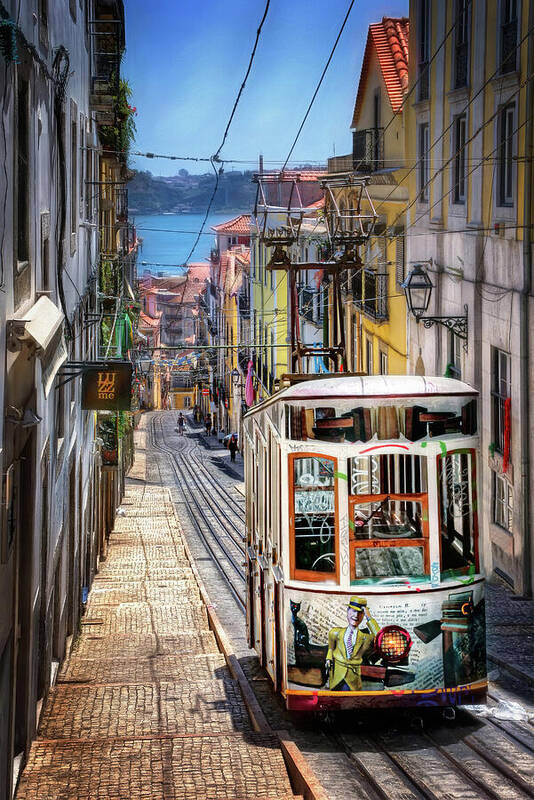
393	643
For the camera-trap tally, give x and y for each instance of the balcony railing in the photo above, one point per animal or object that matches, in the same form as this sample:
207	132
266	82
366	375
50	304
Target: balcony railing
368	149
370	293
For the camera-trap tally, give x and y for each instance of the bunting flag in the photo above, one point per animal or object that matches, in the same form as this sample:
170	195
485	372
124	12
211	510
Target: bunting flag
249	387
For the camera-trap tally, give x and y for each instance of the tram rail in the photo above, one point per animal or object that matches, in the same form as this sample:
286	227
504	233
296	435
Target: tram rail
213	542
469	758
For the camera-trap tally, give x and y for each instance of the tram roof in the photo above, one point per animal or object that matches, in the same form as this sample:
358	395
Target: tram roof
366	387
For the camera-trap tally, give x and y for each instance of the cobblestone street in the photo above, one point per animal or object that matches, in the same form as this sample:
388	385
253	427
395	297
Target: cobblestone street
145	706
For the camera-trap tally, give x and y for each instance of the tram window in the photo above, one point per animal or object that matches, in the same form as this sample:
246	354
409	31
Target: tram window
314	518
388	474
457	510
387	562
388	517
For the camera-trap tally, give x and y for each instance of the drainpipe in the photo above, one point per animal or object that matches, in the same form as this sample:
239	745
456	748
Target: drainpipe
524	373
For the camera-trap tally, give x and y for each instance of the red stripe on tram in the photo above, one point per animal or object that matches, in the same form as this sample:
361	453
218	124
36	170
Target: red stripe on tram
380	446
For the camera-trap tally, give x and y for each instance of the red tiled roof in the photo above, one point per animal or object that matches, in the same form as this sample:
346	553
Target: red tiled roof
389	38
318	204
150	322
239	226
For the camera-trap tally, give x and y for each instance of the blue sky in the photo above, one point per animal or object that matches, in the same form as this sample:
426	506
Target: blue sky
186	59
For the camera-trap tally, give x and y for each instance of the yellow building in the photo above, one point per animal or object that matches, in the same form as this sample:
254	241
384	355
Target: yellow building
469	131
375	318
269	324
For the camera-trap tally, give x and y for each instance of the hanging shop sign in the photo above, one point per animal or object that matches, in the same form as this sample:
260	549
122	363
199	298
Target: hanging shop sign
205	392
107	386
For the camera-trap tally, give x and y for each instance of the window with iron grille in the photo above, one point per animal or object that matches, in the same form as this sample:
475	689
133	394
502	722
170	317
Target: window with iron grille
508	34
399	255
423	49
503	502
505	150
500	392
375	301
423	161
22	176
460	130
461	44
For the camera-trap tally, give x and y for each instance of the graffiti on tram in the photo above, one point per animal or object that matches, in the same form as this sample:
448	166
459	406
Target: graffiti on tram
396	642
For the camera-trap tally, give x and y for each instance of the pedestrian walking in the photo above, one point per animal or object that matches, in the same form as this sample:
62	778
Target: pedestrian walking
207	422
232	446
181	424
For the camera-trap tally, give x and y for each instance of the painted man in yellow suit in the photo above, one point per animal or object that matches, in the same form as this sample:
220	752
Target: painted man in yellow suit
348	646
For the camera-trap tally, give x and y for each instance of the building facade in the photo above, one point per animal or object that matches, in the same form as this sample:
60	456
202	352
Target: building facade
469	217
53	511
375	308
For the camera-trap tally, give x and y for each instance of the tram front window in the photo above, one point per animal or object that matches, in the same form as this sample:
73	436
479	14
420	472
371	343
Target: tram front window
388	517
314	520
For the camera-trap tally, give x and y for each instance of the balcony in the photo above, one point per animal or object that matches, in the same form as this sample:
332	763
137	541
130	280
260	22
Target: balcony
368	149
107	44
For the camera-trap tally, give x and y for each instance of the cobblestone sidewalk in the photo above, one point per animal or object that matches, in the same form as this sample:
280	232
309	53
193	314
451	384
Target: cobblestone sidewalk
145	706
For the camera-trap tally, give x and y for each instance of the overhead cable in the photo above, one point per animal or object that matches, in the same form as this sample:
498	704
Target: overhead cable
318	85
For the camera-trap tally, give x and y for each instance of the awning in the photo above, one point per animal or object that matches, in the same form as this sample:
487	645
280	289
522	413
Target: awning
39	326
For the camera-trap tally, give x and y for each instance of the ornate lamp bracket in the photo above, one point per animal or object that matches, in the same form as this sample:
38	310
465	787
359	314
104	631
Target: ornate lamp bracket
458	325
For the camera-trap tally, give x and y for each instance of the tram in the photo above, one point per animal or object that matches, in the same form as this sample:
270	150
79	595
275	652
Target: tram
364	584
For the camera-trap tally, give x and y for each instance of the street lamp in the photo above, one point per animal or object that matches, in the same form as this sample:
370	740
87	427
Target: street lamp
418	290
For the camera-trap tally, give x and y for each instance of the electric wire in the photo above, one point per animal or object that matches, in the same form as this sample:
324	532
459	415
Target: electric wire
426	156
318	86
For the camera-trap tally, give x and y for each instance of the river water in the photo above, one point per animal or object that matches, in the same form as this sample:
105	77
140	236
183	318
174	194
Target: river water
168	239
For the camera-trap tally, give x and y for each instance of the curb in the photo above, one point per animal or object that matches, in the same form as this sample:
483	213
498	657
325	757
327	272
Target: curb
514	671
303	779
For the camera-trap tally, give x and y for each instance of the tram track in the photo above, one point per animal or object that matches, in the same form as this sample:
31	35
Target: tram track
469	758
226	561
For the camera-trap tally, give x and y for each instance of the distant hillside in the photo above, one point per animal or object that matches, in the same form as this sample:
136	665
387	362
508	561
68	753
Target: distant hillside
149	194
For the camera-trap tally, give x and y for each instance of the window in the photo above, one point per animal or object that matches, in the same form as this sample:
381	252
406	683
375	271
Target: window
454	365
388	517
503	503
505	151
369	356
74	172
461	45
383	363
22	190
500	392
460	130
399	255
423	161
508	36
45	250
423	49
43	22
313	517
457	503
